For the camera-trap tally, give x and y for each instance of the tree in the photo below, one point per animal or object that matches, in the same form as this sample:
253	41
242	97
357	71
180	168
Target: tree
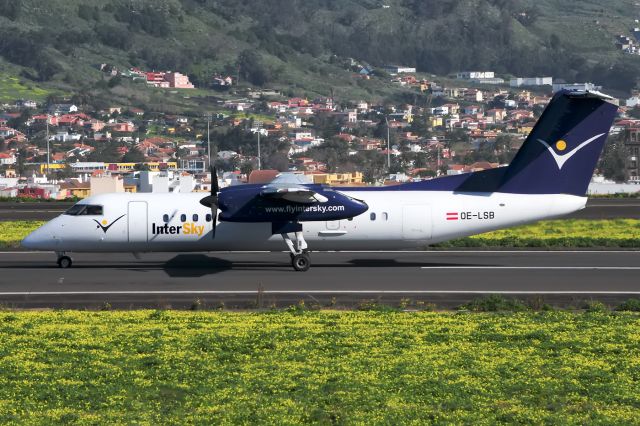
246	168
252	68
614	161
133	156
11	9
107	153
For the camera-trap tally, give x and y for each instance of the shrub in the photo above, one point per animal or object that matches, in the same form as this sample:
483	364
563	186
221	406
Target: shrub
630	305
495	302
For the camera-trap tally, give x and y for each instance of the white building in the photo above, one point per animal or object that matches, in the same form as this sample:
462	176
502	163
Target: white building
396	69
633	101
531	81
7	159
576	86
165	182
474	75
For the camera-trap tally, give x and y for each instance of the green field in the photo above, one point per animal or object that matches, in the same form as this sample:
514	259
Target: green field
560	233
12	88
12	232
554	233
327	367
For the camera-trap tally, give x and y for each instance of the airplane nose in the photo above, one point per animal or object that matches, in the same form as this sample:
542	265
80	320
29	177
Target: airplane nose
36	240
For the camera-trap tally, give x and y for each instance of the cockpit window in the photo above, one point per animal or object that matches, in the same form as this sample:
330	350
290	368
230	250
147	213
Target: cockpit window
85	210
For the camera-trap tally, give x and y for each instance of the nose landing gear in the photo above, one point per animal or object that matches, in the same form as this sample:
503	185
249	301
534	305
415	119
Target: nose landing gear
64	261
299	252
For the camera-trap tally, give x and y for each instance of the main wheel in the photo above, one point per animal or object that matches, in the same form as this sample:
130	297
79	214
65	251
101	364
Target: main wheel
65	262
301	262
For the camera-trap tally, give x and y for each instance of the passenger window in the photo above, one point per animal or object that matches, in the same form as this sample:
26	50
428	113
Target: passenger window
165	218
372	216
385	216
195	217
183	218
208	217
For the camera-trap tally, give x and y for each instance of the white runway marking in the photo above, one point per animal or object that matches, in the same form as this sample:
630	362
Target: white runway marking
570	268
242	292
634	251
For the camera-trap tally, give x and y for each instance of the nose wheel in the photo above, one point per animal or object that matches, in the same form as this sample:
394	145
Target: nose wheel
298	251
64	261
300	262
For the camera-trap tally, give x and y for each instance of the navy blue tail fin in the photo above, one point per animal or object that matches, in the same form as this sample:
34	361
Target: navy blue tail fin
561	152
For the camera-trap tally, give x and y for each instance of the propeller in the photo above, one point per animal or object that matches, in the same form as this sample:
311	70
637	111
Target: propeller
211	200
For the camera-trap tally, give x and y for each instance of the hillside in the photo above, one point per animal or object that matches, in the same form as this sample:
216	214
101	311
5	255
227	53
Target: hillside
303	47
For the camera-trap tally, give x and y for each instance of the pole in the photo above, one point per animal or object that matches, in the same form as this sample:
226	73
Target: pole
388	145
209	141
259	156
48	152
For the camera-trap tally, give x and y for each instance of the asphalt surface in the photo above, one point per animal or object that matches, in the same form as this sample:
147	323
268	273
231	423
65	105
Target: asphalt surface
598	208
32	210
259	279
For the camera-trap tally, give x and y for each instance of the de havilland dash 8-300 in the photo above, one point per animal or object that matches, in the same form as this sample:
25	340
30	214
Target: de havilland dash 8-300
547	178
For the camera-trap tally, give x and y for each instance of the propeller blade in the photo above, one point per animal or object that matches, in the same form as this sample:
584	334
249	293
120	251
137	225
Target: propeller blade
211	201
214	181
214	220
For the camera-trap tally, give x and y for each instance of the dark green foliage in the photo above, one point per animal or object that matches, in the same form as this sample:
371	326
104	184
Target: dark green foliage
133	156
613	160
315	39
88	12
11	9
105	152
630	305
252	68
494	303
113	36
148	18
28	49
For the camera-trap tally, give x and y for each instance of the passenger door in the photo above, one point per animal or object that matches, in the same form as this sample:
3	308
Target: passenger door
416	222
138	222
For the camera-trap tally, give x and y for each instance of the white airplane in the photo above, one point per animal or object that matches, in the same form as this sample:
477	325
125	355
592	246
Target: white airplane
547	178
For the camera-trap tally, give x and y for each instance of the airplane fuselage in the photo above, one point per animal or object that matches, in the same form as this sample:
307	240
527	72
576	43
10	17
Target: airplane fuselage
395	220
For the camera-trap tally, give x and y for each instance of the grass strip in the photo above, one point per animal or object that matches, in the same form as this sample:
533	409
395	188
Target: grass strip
327	367
578	233
12	232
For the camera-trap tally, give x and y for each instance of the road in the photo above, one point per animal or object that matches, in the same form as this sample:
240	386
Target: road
447	278
597	208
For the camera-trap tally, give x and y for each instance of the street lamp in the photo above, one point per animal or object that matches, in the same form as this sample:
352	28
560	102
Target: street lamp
258	125
208	139
388	145
48	151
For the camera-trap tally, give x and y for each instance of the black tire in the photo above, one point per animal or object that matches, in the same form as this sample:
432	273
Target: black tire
65	262
301	262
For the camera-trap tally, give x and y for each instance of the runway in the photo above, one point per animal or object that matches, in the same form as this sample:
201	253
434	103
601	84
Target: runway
259	279
597	208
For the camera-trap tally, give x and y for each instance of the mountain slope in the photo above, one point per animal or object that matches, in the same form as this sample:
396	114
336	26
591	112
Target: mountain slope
302	46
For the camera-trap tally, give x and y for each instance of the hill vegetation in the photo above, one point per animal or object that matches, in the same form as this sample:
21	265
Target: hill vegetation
308	46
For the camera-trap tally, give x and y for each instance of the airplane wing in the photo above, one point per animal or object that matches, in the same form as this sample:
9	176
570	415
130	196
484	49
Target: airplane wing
295	194
291	187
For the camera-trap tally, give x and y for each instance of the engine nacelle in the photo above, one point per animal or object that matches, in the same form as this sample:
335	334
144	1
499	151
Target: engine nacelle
244	203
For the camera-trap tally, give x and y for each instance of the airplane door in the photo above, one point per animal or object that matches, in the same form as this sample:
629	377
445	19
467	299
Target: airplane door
416	222
137	218
333	225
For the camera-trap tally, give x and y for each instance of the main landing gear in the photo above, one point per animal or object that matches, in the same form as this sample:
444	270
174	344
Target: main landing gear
299	252
63	260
